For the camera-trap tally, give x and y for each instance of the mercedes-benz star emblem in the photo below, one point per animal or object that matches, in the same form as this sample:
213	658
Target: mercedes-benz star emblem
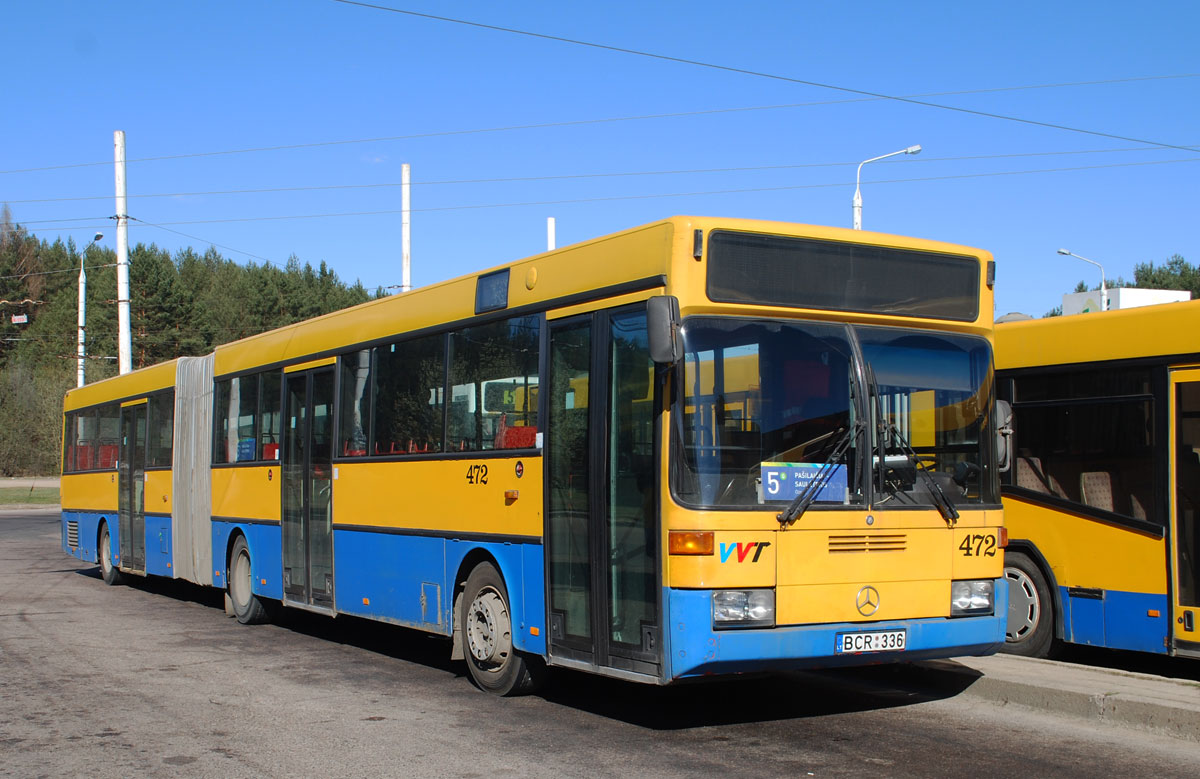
867	601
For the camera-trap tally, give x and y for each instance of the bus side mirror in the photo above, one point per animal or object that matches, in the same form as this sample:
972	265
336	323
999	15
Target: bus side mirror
662	324
1004	432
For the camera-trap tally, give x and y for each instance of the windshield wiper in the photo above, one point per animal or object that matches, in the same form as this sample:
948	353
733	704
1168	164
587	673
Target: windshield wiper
808	495
943	504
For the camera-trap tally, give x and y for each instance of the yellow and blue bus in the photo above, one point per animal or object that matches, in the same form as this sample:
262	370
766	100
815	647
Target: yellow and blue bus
700	446
1101	502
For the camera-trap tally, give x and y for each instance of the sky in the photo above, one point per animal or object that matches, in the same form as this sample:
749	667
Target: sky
272	129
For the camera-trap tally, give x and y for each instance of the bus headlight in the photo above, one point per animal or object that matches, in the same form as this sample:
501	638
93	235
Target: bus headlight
743	608
972	597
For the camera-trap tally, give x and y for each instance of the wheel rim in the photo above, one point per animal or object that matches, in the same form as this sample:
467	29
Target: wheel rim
239	583
489	631
105	552
1024	606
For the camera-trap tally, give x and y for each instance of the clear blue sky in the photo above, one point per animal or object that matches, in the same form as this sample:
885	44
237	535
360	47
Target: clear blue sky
188	78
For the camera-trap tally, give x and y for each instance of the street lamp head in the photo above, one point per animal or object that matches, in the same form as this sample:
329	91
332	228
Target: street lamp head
913	149
1063	251
97	237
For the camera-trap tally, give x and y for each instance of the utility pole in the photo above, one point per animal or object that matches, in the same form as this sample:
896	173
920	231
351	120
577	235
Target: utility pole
124	341
549	233
80	346
405	229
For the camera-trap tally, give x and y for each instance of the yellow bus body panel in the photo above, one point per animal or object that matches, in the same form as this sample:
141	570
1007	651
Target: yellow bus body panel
641	252
158	497
118	388
435	495
89	491
905	599
1081	551
1164	329
246	492
819	564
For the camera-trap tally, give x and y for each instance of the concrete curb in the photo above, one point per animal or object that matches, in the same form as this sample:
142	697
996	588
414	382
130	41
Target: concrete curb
1157	704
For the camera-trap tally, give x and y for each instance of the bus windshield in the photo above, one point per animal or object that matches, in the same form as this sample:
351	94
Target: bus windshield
765	404
933	393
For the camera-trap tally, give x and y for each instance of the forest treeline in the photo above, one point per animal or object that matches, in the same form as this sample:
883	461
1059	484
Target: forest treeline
184	303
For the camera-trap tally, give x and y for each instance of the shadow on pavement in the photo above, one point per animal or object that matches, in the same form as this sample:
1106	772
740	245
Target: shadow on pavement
1134	662
754	699
695	704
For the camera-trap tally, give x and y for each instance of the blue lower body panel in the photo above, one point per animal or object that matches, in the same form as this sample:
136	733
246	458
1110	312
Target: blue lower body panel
1117	620
265	543
696	649
87	533
403	579
158	544
410	580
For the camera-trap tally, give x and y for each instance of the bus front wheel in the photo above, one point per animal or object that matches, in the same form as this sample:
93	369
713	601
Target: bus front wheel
495	665
248	609
107	569
1030	628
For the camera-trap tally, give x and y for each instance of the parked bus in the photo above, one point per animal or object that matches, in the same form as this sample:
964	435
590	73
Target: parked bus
700	446
1102	501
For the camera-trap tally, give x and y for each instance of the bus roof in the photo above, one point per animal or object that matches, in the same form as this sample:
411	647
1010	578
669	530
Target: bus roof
1148	331
140	382
635	260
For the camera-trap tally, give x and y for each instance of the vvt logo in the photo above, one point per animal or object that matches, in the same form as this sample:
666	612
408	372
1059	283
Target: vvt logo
743	550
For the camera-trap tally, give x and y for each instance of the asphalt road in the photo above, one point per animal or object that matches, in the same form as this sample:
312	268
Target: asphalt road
154	680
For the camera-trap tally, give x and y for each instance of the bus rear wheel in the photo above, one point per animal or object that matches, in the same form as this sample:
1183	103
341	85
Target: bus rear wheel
248	609
495	665
1030	628
107	569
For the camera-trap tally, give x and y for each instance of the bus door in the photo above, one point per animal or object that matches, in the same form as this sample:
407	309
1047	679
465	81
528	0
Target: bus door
601	507
1185	519
131	486
307	490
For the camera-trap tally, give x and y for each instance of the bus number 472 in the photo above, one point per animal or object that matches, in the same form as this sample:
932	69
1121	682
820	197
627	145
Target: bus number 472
978	546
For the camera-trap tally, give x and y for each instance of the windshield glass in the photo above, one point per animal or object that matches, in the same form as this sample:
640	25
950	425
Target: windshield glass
765	404
934	393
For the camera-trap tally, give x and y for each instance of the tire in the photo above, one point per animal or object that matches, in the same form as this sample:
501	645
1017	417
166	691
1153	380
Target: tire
486	626
111	575
1030	628
248	609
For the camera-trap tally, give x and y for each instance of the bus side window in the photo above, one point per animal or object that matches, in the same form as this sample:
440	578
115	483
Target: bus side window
269	416
236	419
407	400
355	417
162	428
493	377
108	433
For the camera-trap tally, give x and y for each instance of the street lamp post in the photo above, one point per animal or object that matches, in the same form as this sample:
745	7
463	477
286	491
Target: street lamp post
857	203
80	349
1103	286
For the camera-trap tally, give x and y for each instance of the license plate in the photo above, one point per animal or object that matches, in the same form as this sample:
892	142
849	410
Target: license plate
871	641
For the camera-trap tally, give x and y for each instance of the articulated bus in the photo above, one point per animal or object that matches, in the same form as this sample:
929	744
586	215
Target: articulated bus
1102	502
700	446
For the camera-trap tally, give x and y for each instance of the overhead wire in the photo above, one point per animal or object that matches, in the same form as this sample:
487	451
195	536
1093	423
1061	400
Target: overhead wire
53	272
202	240
607	120
763	74
677	194
578	176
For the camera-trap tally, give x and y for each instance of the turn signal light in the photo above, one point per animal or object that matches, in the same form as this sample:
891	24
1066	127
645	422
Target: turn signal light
1003	538
690	542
